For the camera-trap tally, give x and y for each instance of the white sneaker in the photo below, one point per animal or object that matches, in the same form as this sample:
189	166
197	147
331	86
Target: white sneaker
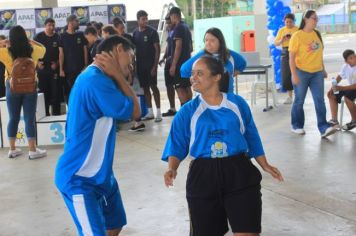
298	131
158	118
289	100
329	131
14	153
37	154
148	116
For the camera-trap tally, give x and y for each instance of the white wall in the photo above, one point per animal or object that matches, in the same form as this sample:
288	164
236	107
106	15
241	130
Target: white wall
261	28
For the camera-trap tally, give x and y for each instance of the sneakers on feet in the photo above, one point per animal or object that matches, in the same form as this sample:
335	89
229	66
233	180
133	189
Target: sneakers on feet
158	119
349	126
289	100
14	153
39	153
170	112
298	131
329	131
135	128
148	116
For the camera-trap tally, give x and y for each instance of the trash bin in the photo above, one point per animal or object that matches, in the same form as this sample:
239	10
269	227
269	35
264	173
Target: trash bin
248	42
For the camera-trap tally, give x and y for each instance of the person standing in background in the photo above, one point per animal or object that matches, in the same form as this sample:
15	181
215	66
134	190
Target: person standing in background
282	39
91	35
146	40
73	54
215	45
19	46
180	52
120	28
48	68
307	68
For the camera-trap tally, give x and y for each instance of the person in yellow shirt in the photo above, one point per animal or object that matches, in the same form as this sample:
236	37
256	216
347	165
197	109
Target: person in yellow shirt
19	46
283	36
307	68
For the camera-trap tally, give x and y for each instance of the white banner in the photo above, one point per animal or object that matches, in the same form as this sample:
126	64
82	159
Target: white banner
60	15
26	18
99	14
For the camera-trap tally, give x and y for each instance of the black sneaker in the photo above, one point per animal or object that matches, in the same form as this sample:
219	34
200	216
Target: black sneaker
169	113
349	126
135	128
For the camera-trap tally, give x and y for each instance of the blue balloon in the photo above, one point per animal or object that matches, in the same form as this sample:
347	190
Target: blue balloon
271	26
278	5
275	52
271	11
286	10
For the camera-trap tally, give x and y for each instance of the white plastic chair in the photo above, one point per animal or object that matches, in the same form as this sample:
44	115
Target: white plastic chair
261	83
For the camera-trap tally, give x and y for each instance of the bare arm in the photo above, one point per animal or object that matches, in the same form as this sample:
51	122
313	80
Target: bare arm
127	90
293	68
171	173
262	161
177	53
85	56
108	63
157	53
61	62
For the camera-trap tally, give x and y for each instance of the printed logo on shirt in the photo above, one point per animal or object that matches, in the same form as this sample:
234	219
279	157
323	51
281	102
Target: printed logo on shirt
313	46
55	44
79	40
217	134
145	38
219	149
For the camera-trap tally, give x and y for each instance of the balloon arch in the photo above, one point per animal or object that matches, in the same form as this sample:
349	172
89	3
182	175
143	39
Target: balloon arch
276	10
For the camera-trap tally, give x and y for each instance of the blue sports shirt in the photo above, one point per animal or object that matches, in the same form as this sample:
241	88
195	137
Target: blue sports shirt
213	131
235	62
95	102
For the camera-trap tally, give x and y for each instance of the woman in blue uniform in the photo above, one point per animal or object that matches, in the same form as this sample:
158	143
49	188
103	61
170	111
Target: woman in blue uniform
215	45
217	130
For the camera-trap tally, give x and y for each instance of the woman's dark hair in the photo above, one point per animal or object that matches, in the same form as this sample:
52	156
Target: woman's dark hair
307	15
224	53
19	43
109	29
216	67
117	21
289	16
109	43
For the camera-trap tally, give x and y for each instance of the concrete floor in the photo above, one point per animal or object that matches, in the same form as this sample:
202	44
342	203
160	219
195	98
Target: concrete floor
318	196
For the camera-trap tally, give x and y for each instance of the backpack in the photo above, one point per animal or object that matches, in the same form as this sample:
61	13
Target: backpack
23	76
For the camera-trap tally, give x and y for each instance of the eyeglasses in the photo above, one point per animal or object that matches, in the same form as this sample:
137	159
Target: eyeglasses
314	18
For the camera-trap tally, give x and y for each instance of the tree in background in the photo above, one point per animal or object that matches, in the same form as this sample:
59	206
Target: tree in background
204	9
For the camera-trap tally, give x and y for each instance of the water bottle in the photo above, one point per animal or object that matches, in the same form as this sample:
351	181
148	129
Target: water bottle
334	84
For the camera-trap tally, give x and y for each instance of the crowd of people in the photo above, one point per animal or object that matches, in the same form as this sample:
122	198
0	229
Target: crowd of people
93	72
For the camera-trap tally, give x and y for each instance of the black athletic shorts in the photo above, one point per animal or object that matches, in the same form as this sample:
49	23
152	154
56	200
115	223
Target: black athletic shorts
145	78
222	190
176	81
350	94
